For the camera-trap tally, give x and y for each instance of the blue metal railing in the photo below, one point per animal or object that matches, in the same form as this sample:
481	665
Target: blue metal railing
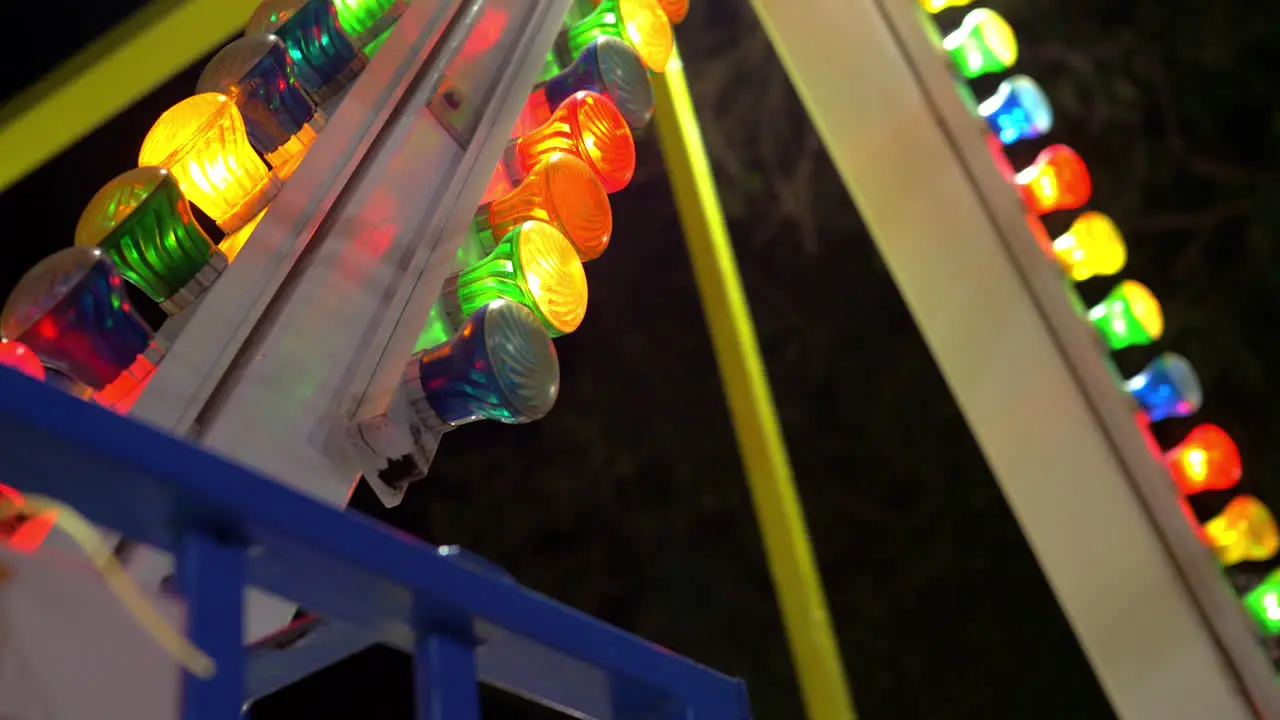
229	528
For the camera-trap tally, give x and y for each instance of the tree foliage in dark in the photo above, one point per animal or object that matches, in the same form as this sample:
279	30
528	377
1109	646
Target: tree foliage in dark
629	501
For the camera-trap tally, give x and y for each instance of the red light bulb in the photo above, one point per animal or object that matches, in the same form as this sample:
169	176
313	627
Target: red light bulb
14	354
588	126
1057	180
1207	459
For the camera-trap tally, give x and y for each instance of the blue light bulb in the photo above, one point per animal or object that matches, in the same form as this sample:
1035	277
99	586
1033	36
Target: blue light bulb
325	56
259	75
1018	110
610	67
72	311
501	365
1167	387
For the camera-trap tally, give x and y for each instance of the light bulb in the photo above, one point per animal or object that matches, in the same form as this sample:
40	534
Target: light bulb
501	365
1018	110
1057	180
534	265
71	309
202	141
1263	604
937	6
1167	387
676	10
984	43
642	23
561	191
17	356
1244	531
1092	246
326	58
257	73
22	531
365	20
1129	316
1206	459
144	224
586	125
607	66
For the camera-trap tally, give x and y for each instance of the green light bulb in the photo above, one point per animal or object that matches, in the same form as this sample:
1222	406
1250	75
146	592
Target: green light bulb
366	20
534	265
1263	604
1129	316
642	23
144	224
984	43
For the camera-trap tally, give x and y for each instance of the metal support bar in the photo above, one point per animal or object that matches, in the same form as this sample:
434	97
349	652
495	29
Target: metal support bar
114	72
796	579
212	577
444	678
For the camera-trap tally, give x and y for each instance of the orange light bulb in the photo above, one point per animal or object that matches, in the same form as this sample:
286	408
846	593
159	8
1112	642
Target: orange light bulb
1057	180
586	125
676	10
562	191
1207	459
1244	530
202	141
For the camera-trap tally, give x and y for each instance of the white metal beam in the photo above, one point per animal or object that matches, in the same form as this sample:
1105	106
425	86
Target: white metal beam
1150	607
319	312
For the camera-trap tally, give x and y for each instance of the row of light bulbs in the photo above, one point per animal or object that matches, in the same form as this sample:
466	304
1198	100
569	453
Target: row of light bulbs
1130	315
231	147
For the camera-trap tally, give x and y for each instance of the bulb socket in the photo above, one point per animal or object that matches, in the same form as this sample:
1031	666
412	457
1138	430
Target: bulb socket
383	24
197	285
450	306
253	205
340	81
423	417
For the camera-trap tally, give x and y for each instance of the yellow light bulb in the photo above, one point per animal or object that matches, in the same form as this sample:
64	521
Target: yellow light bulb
1091	247
203	142
937	6
1244	530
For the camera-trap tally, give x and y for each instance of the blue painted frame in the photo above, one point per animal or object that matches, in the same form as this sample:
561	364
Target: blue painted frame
230	528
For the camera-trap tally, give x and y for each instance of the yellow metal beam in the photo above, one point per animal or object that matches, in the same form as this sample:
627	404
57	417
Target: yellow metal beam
814	649
114	72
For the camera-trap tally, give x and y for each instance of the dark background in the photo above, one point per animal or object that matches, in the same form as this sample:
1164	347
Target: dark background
629	502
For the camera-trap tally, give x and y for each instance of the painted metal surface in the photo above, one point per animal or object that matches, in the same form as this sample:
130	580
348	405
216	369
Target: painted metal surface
1151	609
229	525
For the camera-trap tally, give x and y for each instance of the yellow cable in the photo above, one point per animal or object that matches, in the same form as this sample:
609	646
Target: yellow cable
114	72
814	648
126	591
